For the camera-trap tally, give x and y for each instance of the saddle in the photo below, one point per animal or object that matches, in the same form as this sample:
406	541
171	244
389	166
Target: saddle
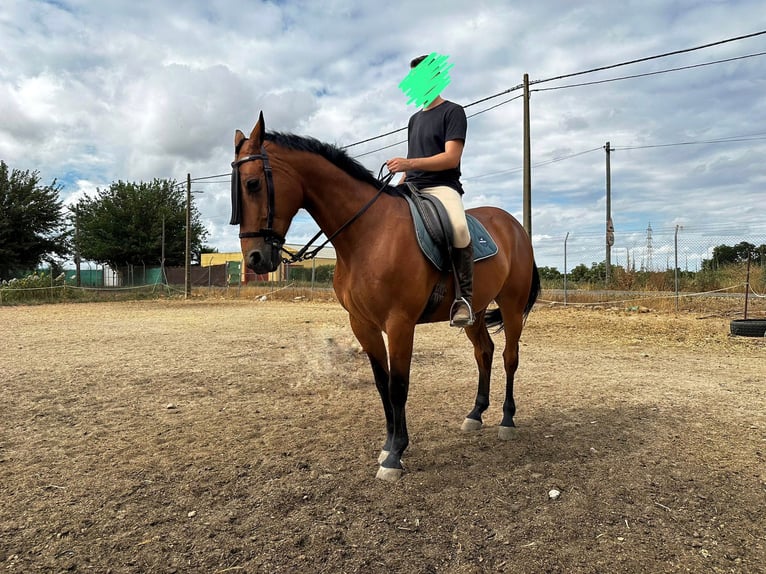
434	230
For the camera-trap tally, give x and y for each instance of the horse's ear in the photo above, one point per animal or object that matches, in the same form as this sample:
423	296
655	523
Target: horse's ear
239	139
259	131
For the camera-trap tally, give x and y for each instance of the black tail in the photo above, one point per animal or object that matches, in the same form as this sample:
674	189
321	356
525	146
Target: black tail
534	289
495	319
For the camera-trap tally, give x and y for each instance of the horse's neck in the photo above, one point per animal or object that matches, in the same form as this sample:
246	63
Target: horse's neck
333	198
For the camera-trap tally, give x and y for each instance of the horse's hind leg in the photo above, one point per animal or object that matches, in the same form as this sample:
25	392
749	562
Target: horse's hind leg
483	348
513	323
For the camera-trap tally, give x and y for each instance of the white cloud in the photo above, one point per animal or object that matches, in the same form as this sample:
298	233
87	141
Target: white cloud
93	92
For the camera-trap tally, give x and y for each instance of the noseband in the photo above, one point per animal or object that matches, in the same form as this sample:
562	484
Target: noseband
268	233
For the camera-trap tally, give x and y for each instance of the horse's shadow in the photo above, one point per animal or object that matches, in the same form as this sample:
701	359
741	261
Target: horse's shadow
545	438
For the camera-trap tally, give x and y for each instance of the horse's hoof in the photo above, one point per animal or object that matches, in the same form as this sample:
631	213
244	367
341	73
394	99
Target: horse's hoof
507	433
470	425
382	456
389	474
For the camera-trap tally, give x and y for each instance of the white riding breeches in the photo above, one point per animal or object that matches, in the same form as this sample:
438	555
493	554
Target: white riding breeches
453	204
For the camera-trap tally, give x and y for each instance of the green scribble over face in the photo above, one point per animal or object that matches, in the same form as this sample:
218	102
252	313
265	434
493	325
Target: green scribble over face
426	80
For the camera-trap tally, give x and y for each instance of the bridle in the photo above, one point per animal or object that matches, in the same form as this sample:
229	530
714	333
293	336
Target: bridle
270	236
267	232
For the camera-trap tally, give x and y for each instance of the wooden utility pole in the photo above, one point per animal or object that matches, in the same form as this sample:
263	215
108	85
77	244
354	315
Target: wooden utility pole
609	224
187	280
527	203
77	260
565	268
675	265
162	256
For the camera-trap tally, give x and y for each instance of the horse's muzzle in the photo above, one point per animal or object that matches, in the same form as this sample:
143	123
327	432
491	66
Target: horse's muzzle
263	260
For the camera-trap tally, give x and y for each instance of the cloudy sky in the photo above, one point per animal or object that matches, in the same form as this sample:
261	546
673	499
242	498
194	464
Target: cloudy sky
93	92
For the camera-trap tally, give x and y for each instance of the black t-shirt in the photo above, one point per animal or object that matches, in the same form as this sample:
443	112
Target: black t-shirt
427	134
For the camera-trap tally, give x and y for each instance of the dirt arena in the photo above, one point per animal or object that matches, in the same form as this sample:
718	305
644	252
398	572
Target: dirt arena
242	436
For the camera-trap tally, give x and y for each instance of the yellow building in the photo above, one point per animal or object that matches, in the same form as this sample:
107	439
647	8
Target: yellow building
236	265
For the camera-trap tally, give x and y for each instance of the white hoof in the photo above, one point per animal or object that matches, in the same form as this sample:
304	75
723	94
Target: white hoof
382	456
507	433
470	425
389	474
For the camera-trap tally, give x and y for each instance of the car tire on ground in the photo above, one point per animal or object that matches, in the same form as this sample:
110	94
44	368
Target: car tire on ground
748	327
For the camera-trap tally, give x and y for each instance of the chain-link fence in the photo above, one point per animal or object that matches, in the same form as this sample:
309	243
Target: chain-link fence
671	263
651	250
653	263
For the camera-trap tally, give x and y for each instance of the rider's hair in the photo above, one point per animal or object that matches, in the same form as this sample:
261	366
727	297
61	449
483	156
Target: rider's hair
417	61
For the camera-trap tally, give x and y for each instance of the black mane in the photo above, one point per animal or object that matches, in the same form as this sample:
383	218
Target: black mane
331	153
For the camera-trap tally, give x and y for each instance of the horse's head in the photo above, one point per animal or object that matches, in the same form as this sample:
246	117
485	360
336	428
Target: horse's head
263	220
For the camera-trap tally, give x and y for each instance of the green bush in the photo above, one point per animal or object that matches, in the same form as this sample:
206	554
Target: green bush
37	287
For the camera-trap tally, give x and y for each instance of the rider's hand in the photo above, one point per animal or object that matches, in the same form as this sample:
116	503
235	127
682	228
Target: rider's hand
398	165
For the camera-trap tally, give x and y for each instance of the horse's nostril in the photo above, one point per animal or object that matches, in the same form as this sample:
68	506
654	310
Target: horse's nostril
253	259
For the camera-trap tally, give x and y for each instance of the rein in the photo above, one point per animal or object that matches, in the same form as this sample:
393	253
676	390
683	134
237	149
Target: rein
268	233
304	254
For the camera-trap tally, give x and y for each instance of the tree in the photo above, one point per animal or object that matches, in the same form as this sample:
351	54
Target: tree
596	273
580	273
123	224
733	255
32	222
549	274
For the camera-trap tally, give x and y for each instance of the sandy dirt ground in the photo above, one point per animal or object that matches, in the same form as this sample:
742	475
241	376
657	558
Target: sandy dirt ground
242	436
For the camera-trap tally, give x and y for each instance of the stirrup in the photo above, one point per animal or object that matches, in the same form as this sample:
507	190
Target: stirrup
456	304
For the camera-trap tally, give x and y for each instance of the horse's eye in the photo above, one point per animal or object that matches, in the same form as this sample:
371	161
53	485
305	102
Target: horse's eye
254	185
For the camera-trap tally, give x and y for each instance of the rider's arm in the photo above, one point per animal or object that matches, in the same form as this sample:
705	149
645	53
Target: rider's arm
448	159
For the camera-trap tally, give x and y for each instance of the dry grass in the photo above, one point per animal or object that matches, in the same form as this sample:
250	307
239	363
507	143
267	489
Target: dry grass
218	435
724	304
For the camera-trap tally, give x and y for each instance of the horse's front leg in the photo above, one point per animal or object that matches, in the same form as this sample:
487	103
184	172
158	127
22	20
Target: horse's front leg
400	340
371	340
380	372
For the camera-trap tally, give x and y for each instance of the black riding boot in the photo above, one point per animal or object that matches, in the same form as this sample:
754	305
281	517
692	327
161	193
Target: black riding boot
461	313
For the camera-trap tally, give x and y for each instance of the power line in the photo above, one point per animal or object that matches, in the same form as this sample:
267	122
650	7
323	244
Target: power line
648	58
542	163
571	75
648	73
495	106
405	141
373	138
497	95
732	139
589	71
465	106
701	142
210	177
380	149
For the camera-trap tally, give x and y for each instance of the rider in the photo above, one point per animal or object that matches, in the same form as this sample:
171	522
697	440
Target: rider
435	139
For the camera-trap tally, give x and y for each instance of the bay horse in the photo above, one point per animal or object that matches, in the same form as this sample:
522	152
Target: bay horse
381	276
